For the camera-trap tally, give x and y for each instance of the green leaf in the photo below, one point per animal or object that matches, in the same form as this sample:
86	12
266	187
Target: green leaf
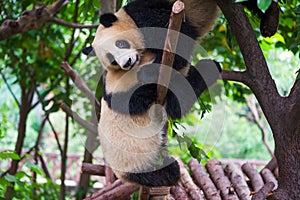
21	174
13	156
263	5
55	107
11	178
3	155
34	168
9	154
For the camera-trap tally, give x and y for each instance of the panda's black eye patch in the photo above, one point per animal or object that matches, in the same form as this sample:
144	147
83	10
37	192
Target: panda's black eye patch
122	44
111	59
108	19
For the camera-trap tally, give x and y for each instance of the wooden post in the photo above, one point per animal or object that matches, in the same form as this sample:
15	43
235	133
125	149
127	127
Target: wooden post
169	49
175	21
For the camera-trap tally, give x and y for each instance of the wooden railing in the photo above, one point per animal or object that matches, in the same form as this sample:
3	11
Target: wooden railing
53	163
74	162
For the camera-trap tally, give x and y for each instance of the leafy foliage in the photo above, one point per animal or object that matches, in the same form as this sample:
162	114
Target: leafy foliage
25	185
264	4
186	141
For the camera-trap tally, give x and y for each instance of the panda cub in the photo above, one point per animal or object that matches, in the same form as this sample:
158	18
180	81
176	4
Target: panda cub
129	45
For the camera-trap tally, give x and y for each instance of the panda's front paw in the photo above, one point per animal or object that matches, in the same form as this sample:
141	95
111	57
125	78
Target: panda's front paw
148	74
128	60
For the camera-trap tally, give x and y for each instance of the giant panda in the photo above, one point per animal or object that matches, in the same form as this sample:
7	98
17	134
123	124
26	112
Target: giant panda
132	127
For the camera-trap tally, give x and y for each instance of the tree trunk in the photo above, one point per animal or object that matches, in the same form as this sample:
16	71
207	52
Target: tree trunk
26	100
91	145
64	154
287	152
282	113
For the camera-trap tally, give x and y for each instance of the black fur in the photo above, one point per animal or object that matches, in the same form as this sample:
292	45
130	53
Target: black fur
166	176
108	19
89	51
184	91
182	94
145	14
111	59
122	44
156	13
135	101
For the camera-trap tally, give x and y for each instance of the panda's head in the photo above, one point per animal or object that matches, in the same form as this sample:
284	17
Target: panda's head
118	43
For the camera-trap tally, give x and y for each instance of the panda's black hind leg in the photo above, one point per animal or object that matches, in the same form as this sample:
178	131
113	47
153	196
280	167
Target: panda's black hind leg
166	176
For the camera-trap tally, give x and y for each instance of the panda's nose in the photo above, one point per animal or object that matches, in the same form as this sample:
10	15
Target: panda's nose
127	64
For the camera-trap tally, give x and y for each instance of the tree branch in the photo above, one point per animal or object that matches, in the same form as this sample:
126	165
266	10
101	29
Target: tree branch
202	179
117	190
57	5
50	89
256	180
257	120
264	192
56	136
233	76
30	20
35	18
9	88
72	25
214	168
80	84
192	189
90	127
91	169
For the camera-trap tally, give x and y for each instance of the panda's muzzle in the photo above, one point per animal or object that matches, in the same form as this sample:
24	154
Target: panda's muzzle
128	61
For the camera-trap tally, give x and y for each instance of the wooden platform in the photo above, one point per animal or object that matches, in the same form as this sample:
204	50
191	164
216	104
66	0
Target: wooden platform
215	181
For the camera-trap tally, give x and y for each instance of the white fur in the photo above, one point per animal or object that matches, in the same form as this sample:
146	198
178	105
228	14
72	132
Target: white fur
130	144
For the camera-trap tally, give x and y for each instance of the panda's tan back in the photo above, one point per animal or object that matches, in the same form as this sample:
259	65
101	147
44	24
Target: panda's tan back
201	13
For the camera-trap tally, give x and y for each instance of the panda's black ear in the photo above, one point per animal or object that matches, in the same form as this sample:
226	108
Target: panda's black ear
89	51
108	19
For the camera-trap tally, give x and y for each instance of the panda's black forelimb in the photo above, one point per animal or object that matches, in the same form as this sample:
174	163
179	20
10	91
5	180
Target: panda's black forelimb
135	101
166	176
185	92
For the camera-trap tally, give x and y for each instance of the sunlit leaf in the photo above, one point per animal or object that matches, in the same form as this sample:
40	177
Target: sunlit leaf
263	5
